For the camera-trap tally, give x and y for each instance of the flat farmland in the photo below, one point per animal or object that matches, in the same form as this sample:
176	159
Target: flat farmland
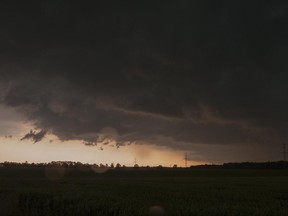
61	192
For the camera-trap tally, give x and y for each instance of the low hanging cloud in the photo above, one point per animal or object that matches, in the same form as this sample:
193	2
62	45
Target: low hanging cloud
190	76
34	136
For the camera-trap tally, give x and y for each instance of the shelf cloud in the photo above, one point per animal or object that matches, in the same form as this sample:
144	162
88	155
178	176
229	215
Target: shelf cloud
177	74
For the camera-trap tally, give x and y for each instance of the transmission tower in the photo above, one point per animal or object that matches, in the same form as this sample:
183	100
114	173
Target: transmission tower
284	151
186	158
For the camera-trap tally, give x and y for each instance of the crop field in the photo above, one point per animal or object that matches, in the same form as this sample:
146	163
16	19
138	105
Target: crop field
87	192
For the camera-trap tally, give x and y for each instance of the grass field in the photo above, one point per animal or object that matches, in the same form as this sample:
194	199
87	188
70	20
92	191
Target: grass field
45	192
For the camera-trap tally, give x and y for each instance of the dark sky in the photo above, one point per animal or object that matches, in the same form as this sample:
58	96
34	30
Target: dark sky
191	75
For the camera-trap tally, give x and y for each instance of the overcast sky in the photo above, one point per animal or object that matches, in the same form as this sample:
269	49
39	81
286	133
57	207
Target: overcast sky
206	77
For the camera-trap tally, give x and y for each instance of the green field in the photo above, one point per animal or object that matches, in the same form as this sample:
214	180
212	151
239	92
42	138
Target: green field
36	191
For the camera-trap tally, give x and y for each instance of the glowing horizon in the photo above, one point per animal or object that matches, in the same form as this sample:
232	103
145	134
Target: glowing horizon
46	151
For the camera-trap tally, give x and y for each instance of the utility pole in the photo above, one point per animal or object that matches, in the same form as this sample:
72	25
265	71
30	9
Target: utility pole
186	158
284	151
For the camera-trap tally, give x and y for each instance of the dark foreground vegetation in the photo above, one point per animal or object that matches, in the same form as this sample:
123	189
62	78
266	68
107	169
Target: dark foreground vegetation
85	191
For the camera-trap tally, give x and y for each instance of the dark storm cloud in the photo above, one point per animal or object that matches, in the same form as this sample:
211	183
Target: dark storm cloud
169	73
